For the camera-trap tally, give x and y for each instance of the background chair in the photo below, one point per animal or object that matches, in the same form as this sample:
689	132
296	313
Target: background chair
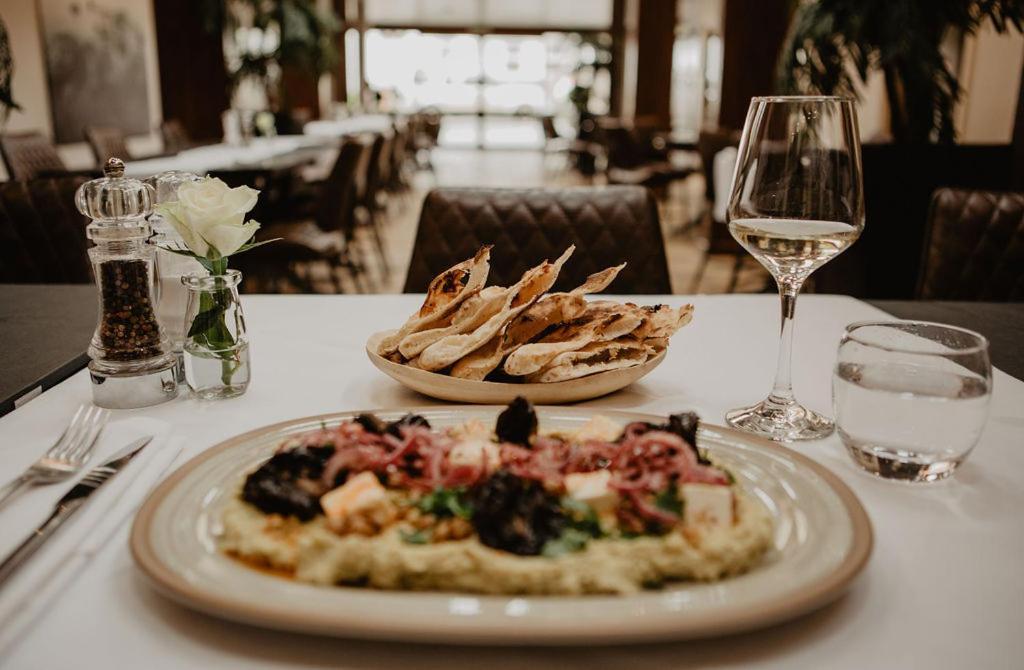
974	247
608	226
30	155
106	142
717	151
175	137
42	235
324	240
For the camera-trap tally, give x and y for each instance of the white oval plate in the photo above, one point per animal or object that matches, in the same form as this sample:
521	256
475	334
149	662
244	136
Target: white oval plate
822	540
497	393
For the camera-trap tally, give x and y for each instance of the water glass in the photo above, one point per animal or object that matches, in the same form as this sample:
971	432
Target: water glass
911	398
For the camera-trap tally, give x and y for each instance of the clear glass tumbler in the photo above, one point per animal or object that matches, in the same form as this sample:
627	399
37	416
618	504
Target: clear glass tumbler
911	398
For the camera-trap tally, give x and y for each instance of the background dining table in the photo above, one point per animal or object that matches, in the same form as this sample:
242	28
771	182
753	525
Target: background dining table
283	152
942	588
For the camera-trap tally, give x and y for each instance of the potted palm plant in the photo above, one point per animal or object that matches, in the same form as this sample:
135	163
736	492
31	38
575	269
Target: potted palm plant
833	43
7	103
275	42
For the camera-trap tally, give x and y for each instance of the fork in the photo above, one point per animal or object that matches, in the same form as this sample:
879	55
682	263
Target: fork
66	456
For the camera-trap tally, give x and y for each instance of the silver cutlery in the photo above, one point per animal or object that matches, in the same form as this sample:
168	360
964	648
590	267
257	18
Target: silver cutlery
72	501
67	456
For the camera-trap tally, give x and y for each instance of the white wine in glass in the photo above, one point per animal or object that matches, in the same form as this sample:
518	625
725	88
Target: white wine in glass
797	202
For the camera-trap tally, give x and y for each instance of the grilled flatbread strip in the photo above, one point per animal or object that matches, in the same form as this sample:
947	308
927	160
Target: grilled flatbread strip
548	311
445	293
601	359
472	313
602	321
662	321
533	284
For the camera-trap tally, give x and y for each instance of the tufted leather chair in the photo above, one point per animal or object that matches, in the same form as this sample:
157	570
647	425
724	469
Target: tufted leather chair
608	226
26	155
974	247
42	235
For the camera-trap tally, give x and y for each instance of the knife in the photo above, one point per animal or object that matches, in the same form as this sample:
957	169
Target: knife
72	501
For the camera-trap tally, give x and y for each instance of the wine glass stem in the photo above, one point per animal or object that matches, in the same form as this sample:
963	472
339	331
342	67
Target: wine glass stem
782	390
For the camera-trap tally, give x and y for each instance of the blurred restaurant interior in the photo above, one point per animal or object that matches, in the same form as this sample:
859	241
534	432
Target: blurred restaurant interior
345	113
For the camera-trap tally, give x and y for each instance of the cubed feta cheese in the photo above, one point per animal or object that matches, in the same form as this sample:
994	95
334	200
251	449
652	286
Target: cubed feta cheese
706	504
592	488
599	428
475	452
360	493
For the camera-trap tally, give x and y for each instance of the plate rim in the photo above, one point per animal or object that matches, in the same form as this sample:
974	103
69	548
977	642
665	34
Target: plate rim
812	597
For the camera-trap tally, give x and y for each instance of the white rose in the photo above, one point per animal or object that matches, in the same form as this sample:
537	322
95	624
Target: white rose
210	217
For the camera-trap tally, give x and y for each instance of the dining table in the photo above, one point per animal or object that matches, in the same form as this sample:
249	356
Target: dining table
942	588
265	154
351	125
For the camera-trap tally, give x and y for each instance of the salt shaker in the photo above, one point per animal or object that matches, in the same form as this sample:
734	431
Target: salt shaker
171	267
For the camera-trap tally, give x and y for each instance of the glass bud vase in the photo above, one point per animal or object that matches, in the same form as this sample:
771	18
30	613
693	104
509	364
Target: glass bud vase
216	345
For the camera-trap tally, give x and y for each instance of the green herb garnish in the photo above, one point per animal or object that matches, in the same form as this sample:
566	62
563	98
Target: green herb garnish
417	537
571	540
669	501
444	503
582	526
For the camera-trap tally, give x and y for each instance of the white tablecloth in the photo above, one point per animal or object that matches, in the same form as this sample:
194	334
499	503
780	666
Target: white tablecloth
942	590
201	160
364	123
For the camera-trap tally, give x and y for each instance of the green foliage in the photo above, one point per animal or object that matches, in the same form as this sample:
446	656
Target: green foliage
831	41
307	35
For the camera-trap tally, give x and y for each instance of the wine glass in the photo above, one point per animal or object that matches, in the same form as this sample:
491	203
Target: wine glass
797	202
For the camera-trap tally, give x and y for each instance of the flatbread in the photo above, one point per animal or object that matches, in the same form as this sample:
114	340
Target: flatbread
548	311
601	351
533	284
445	293
471	314
602	321
597	357
662	321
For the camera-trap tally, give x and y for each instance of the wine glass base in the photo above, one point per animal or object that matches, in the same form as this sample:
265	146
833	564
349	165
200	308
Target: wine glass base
782	422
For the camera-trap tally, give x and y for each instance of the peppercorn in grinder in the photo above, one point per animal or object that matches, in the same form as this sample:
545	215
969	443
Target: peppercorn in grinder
131	364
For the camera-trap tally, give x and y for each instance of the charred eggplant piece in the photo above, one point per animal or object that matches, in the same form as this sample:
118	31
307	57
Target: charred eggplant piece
371	424
289	483
409	420
517	423
515	515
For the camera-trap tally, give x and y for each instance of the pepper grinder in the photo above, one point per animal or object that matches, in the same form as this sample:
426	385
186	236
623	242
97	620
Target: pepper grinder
131	362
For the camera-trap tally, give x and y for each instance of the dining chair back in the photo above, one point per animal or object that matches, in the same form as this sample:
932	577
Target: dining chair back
374	170
106	142
175	136
608	225
42	235
974	247
26	155
336	199
399	153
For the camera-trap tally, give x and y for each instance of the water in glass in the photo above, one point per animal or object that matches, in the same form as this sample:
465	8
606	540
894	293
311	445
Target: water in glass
217	374
908	411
